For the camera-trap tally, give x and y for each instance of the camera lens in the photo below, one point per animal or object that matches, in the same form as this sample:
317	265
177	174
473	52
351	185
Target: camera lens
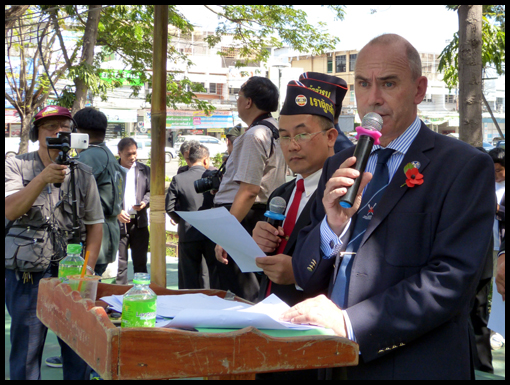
203	185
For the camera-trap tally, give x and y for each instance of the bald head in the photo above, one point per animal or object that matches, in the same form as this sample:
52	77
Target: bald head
413	57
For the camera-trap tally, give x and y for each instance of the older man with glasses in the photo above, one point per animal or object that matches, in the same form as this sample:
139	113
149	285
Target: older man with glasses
38	204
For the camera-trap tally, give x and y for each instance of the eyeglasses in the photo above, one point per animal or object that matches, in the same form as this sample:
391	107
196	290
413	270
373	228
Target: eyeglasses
300	139
54	126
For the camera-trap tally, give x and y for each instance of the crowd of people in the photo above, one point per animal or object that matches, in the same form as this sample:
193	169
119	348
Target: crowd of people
405	272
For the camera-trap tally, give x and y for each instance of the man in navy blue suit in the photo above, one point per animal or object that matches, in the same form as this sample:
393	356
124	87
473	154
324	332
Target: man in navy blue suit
406	290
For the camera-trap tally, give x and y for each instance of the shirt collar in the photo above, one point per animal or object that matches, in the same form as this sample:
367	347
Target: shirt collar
404	141
311	181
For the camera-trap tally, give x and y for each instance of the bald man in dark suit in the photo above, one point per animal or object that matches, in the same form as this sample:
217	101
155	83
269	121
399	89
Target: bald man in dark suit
405	292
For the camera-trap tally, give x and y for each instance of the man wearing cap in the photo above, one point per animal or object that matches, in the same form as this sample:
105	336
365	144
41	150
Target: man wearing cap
231	135
335	89
307	139
42	224
402	264
254	169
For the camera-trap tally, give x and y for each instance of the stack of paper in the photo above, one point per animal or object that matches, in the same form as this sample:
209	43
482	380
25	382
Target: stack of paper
202	311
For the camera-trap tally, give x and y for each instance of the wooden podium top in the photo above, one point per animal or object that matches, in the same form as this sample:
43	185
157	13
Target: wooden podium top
160	353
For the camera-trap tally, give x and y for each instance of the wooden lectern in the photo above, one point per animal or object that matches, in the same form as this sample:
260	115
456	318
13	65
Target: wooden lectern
160	353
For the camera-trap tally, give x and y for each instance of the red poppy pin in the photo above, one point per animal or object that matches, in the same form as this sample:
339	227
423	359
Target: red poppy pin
413	175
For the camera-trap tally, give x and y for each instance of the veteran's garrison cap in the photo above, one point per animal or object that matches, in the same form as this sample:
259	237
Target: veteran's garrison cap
333	87
303	100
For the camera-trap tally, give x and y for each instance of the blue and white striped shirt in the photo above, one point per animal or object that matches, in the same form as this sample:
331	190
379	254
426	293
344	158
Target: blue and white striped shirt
330	242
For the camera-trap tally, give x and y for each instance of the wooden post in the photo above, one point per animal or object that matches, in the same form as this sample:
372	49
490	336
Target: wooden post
158	123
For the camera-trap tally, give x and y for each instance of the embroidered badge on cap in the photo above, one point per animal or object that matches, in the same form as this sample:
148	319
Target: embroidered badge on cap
301	100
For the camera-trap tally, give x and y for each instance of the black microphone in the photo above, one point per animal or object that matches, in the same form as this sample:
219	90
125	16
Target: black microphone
274	216
368	135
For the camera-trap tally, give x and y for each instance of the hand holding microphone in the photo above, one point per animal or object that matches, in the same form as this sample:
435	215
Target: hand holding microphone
368	135
348	181
268	234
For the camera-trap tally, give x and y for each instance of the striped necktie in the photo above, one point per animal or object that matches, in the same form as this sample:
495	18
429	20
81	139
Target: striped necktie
371	198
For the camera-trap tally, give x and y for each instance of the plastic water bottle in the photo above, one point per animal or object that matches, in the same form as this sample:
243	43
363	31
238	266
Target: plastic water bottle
139	304
72	263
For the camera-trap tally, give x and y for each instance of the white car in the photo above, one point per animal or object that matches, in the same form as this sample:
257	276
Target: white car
214	145
144	149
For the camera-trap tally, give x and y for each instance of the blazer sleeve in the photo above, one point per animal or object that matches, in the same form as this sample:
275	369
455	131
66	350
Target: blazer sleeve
171	200
443	287
147	193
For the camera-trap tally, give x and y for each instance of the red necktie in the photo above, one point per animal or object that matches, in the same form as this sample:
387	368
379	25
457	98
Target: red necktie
290	221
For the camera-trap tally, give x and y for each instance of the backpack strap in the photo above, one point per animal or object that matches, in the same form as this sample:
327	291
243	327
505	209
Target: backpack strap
274	132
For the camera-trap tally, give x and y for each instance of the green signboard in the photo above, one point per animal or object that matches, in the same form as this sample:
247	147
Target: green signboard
125	76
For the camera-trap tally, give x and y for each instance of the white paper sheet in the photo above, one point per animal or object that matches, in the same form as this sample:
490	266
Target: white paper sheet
170	305
200	310
497	316
264	315
224	229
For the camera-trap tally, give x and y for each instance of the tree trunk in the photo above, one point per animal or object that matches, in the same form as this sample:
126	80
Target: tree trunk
89	42
470	74
26	124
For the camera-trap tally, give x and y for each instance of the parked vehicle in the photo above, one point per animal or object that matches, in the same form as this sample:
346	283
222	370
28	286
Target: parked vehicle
487	146
144	149
12	146
214	145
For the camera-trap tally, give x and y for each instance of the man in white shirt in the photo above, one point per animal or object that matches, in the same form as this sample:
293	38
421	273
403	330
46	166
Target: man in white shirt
134	231
254	168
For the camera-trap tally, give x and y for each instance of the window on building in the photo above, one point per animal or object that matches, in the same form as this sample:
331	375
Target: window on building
352	98
352	61
330	64
212	88
449	99
341	63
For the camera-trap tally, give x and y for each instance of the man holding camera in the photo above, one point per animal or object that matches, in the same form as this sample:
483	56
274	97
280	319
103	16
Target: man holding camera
193	245
255	168
41	218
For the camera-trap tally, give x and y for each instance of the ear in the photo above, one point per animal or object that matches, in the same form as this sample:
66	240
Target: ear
248	102
332	135
421	89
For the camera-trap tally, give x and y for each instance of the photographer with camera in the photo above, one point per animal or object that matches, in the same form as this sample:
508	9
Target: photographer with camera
255	168
193	245
41	215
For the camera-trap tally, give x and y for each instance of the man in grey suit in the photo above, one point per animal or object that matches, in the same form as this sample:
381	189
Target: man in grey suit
193	245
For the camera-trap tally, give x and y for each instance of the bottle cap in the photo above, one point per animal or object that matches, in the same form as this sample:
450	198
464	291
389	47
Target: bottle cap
73	249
